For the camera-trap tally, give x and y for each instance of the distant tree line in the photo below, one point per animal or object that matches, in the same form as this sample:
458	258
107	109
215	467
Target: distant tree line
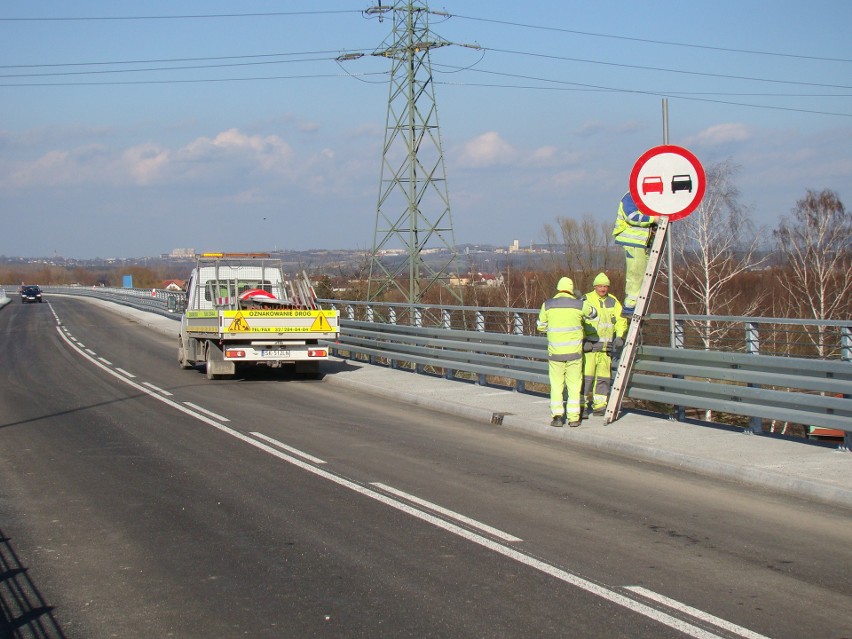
56	275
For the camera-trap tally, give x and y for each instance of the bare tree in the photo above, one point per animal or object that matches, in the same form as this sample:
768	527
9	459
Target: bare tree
581	248
714	245
816	243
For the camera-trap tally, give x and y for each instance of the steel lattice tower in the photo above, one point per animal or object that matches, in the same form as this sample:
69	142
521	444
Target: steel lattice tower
413	210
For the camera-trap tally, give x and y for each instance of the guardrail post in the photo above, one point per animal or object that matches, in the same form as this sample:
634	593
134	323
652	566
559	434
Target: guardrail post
350	311
679	342
446	324
518	329
368	314
752	343
392	315
480	322
418	316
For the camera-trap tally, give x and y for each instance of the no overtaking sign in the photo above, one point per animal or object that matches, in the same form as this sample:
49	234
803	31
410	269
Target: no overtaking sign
667	180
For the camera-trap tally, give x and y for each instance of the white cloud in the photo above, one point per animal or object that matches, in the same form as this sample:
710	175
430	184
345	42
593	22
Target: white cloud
491	150
229	153
486	150
145	163
720	134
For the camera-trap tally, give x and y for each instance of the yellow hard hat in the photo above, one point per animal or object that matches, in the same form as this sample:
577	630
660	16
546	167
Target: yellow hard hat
601	280
565	284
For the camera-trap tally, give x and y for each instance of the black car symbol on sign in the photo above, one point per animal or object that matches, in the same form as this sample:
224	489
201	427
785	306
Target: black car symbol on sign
682	183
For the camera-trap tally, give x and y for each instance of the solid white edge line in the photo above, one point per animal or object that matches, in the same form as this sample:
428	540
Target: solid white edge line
695	612
157	388
548	569
209	413
295	451
448	513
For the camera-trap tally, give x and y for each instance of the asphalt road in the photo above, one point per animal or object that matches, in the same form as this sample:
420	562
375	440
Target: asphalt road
138	499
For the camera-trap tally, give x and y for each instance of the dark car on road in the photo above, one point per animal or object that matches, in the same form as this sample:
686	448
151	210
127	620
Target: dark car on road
30	294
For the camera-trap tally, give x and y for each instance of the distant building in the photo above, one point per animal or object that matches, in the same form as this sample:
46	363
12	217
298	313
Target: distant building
173	285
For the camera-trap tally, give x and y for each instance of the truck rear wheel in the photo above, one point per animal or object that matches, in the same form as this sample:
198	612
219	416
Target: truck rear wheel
210	366
182	361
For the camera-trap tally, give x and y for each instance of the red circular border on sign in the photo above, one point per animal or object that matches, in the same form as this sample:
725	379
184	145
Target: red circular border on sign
689	157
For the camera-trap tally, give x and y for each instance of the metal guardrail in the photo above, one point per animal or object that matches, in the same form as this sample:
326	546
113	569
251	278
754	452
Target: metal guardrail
738	377
517	358
759	386
166	303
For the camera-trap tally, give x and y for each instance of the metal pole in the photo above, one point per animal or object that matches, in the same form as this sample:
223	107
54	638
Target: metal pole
672	341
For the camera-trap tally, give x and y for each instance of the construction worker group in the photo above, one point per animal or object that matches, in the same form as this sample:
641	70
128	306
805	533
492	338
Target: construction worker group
584	331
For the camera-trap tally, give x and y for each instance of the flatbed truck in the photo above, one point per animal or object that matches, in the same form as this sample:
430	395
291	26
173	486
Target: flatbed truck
241	310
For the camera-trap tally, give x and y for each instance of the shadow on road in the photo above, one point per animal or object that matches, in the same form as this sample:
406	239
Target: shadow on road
23	610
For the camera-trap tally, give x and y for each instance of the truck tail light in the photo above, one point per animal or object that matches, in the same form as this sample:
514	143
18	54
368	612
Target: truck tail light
232	354
317	352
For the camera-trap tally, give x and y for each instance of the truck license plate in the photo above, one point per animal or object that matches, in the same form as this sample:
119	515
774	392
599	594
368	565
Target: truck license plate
275	353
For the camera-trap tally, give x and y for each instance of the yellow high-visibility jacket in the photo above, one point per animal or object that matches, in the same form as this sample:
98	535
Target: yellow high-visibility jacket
562	317
632	226
609	324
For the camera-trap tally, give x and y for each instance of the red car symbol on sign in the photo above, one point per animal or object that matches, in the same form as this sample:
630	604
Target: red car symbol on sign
652	184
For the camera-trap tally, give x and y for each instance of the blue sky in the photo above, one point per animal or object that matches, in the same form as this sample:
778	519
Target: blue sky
281	148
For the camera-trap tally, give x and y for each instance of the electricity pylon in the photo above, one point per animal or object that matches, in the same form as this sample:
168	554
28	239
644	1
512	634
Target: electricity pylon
413	210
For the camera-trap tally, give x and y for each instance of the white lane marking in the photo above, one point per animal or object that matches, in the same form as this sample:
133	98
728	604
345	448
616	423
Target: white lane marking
157	388
124	372
105	361
295	451
696	613
548	569
209	413
91	352
448	513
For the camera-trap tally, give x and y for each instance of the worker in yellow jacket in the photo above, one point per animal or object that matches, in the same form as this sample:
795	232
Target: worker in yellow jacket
632	231
603	335
562	317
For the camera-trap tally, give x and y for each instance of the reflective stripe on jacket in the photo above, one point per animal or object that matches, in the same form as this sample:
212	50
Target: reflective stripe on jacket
609	323
562	317
632	226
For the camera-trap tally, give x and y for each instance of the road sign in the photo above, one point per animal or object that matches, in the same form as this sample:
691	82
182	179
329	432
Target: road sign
667	180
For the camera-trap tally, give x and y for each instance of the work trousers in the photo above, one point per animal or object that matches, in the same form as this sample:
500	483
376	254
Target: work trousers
565	375
636	258
597	373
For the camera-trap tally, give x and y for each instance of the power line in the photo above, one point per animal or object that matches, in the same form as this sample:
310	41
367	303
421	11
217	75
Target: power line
178	17
190	81
164	60
648	41
146	69
665	70
647	92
